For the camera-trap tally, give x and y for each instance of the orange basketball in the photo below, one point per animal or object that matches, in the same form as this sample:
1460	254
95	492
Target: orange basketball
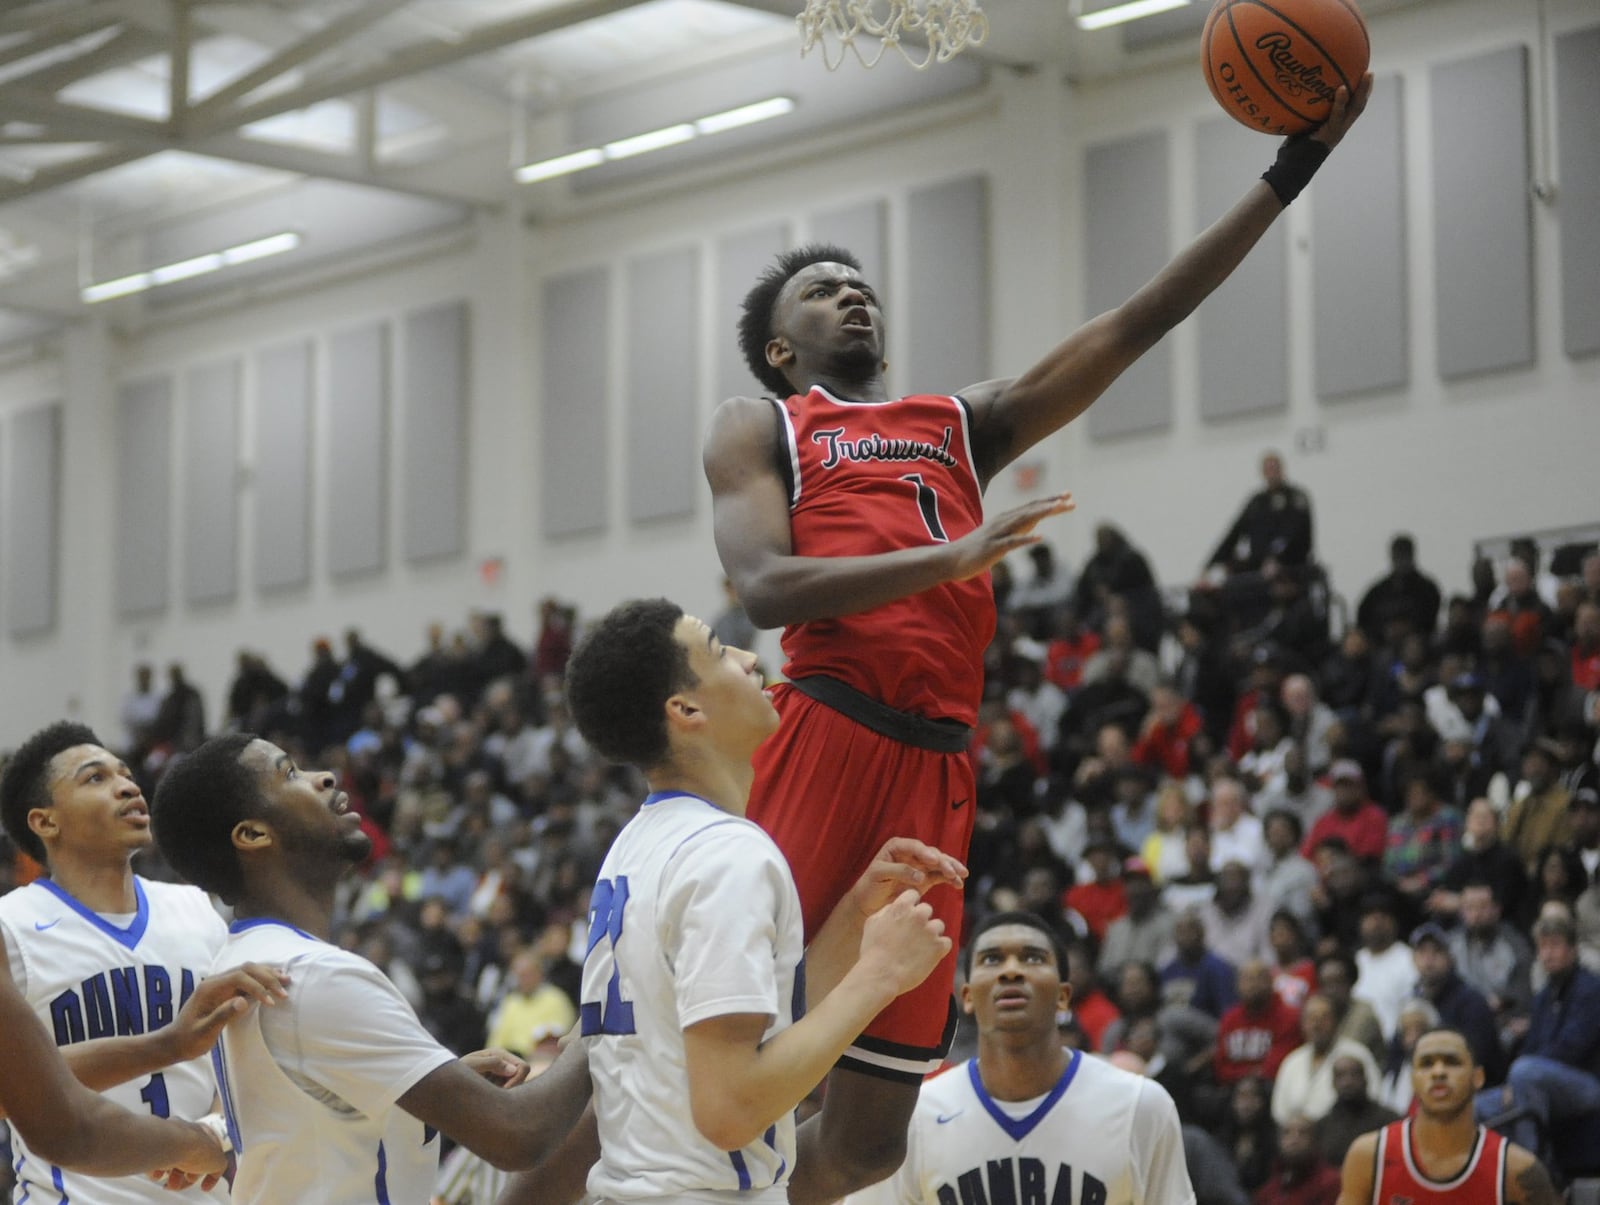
1274	65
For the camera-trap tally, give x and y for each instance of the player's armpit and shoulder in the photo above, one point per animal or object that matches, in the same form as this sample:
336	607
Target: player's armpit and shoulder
1527	1182
741	442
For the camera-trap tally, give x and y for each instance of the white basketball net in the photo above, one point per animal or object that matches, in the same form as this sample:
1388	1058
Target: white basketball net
940	29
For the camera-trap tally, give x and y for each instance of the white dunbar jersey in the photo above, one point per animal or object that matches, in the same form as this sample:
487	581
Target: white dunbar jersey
88	976
695	915
1101	1136
309	1085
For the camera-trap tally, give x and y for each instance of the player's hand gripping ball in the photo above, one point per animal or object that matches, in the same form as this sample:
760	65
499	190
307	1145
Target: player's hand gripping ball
1274	65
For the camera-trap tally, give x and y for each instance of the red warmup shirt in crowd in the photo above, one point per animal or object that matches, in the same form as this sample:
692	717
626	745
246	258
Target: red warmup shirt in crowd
1255	1043
1320	1187
1366	832
1585	669
1098	903
1064	659
1295	982
1242	732
1165	747
1093	1013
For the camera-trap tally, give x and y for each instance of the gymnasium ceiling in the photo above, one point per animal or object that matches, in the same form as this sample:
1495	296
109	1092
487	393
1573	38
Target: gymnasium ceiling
136	133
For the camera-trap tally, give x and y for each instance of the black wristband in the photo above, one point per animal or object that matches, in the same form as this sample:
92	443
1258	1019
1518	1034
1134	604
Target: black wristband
1298	160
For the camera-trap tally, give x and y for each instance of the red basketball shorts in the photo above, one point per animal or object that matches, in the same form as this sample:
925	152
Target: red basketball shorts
830	792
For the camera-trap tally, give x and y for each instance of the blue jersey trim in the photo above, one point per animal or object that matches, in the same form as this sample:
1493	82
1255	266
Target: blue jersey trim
1020	1127
739	1166
656	797
60	1185
130	936
382	1181
255	922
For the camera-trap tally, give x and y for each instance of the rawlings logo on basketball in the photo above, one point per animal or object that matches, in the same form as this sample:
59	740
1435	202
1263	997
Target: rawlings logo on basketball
1295	76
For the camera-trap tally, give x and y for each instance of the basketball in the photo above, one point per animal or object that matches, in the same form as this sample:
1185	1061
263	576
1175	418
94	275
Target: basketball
1274	65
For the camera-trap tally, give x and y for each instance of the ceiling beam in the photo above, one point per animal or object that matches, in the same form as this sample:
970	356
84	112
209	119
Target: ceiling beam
63	20
79	123
178	68
65	173
124	47
215	107
422	56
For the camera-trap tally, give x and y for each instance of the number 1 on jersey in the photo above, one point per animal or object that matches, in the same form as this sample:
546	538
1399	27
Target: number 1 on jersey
928	504
606	906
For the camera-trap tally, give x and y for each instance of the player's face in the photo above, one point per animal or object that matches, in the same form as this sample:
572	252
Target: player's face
95	804
828	310
1443	1076
730	696
306	809
1014	985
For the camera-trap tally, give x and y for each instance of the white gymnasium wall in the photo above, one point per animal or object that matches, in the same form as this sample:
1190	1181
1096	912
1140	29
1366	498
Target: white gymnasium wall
1450	462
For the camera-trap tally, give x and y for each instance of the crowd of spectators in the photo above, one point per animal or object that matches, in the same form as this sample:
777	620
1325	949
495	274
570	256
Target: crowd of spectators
1279	843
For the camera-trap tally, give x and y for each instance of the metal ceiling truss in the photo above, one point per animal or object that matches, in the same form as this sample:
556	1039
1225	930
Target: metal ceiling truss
210	125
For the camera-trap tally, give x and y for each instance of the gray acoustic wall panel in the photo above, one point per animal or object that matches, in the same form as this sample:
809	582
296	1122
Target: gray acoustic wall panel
283	466
1358	248
663	395
863	230
358	442
1578	170
947	345
574	432
433	511
33	519
1482	220
1127	234
144	500
210	482
1243	326
741	258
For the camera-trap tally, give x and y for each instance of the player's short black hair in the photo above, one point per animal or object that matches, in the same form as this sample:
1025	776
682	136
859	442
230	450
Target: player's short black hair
25	785
1472	1055
1031	920
199	800
755	319
620	677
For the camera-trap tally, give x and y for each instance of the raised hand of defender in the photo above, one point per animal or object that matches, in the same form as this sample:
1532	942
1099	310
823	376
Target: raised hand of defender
498	1066
981	548
902	942
217	1000
1346	107
904	862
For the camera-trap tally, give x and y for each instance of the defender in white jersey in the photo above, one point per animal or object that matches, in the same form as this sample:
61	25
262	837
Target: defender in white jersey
337	1095
1027	1120
693	991
110	963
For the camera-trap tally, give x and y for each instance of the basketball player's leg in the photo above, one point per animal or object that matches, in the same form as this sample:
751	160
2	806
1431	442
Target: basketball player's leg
859	1137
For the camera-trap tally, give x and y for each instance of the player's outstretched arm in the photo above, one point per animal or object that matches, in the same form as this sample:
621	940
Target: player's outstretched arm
750	515
1527	1182
1356	1177
739	1085
106	1062
513	1128
903	863
1009	417
65	1123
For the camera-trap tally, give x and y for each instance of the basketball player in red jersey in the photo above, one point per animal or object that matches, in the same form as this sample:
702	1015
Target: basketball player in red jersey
855	522
1442	1156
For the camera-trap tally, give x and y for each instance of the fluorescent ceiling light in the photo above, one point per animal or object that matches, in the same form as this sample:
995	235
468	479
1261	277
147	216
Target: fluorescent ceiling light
656	140
561	165
745	115
1131	11
187	269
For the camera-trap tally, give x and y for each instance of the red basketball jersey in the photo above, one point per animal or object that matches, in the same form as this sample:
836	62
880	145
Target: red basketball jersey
1400	1180
874	477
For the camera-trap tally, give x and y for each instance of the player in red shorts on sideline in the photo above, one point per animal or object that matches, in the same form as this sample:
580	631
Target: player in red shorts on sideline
855	521
1442	1156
